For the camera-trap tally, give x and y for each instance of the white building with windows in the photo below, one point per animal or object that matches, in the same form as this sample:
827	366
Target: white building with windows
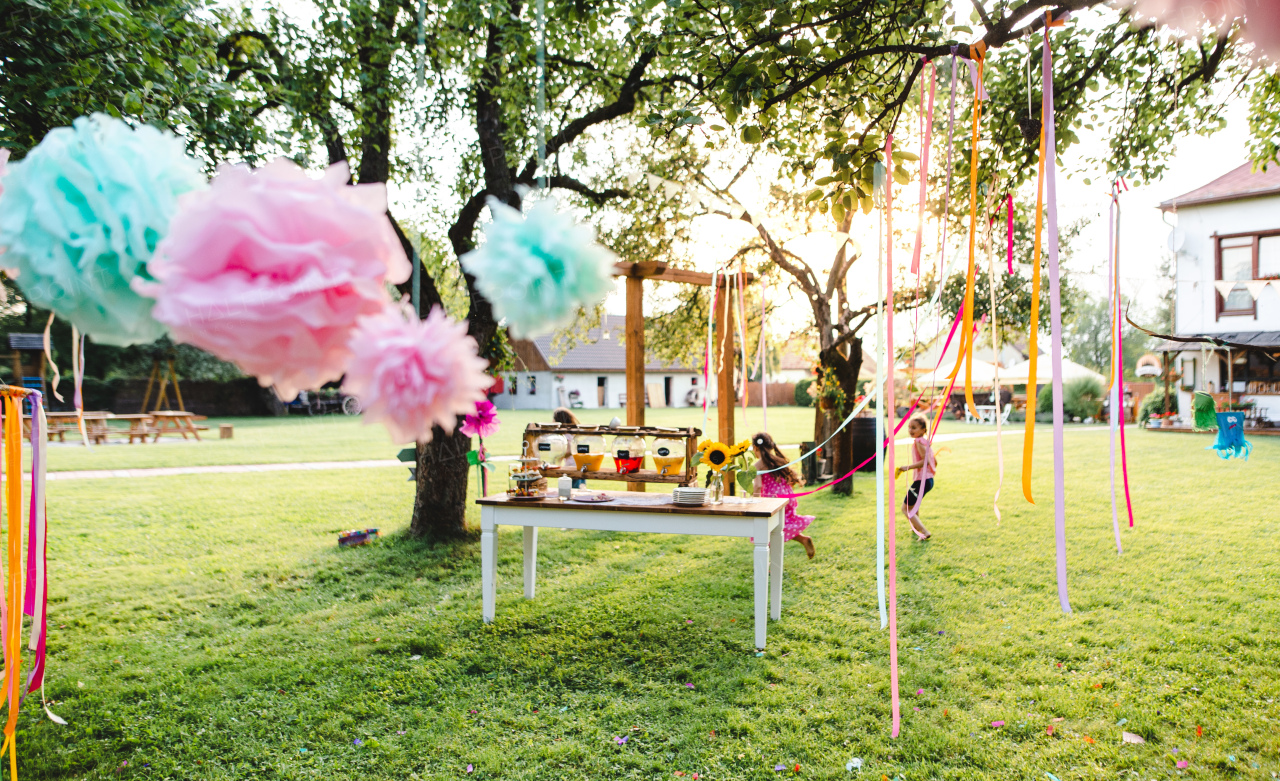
1227	243
591	375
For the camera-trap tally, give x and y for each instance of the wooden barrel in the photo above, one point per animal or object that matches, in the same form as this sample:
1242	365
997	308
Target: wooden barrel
863	432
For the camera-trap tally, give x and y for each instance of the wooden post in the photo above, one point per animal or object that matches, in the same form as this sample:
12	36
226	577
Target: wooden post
173	377
635	358
726	400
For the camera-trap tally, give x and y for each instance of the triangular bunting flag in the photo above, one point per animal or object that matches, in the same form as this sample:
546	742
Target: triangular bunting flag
632	178
1256	287
1275	283
653	181
671	188
1224	287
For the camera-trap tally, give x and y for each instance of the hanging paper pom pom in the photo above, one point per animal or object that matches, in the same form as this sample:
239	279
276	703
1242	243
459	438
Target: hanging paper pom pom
483	422
414	374
80	216
537	271
272	268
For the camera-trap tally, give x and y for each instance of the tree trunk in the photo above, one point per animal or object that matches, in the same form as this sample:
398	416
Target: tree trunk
440	502
845	368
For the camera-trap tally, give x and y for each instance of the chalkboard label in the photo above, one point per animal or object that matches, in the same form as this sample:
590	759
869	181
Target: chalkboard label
584	448
544	446
624	454
664	451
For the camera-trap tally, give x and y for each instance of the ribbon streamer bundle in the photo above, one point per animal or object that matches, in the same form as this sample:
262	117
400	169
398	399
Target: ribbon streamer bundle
24	593
1116	386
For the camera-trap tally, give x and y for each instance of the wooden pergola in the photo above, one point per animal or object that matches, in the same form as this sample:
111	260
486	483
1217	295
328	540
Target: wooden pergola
636	273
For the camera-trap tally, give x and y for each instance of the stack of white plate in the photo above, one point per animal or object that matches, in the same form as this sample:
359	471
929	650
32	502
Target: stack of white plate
690	496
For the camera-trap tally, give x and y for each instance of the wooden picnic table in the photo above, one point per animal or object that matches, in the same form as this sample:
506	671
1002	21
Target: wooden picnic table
171	422
139	426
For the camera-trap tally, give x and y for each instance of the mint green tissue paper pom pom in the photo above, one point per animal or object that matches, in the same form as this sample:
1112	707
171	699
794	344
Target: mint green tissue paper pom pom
537	271
82	213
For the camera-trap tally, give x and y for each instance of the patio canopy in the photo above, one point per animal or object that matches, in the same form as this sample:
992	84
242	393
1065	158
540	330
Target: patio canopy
1019	373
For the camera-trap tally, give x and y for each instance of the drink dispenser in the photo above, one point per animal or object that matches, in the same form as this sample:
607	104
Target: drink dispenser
628	453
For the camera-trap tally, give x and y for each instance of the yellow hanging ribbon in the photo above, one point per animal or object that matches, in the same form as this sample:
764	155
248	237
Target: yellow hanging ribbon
1028	441
978	50
13	507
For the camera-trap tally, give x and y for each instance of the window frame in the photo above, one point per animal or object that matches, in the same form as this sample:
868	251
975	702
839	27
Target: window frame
1219	300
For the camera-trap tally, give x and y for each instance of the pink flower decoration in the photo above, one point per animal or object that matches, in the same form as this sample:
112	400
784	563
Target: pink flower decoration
271	269
414	374
484	423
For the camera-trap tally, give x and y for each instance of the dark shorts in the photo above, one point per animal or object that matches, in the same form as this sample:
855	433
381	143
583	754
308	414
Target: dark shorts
579	483
913	493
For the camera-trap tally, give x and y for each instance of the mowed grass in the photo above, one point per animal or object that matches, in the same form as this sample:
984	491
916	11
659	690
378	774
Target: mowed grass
207	627
341	438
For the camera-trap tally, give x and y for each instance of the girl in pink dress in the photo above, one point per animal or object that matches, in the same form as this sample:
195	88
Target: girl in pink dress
775	478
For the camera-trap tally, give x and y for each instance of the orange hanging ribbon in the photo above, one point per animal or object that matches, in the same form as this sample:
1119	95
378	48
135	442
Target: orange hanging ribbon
978	50
1028	441
13	597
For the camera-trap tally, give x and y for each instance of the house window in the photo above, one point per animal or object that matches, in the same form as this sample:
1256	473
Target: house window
511	384
1244	258
533	385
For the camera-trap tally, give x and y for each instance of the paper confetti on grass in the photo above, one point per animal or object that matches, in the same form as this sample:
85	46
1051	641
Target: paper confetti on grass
853	764
997	723
1129	737
1182	763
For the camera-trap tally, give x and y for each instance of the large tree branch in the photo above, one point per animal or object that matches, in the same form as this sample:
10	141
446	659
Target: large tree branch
998	34
563	182
624	104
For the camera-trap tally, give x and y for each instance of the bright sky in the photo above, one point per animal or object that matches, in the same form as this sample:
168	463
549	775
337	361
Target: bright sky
1195	161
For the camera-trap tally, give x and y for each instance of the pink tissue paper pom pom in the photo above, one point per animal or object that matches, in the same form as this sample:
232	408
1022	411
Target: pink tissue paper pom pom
414	374
483	422
272	269
1261	19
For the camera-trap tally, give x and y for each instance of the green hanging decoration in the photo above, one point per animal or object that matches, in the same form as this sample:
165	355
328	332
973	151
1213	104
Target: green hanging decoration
1206	413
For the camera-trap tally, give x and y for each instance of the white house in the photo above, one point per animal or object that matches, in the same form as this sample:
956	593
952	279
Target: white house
591	375
1227	244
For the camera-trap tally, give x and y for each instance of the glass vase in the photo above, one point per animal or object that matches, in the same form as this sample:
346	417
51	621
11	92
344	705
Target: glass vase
715	491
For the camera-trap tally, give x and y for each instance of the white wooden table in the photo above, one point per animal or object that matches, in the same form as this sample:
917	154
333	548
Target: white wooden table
761	519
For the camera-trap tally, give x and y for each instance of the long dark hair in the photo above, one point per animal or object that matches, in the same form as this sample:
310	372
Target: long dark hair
564	417
771	458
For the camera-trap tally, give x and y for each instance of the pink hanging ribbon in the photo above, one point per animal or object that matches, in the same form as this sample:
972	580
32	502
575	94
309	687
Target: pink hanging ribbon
36	598
926	133
1008	202
764	369
1055	314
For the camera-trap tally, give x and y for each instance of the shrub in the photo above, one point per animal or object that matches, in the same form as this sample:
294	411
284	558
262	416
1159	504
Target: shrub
1082	398
1153	404
803	398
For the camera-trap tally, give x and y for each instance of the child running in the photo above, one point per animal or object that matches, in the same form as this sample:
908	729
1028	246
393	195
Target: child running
778	480
925	466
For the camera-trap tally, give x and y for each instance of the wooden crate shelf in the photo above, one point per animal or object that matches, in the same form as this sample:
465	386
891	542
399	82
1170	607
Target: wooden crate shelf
685	476
639	476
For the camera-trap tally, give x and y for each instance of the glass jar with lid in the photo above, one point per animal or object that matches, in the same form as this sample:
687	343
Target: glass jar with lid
588	452
668	455
628	453
551	449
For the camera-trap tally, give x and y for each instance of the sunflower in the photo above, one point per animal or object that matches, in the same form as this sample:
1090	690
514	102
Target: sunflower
715	455
740	448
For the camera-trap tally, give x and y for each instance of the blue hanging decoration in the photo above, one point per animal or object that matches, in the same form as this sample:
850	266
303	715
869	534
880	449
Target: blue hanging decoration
1231	442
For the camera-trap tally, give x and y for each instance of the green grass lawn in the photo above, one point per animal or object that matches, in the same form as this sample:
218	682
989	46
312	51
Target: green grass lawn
340	438
207	627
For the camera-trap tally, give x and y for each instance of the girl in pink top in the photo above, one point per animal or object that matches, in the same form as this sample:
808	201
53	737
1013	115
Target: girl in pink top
925	465
778	479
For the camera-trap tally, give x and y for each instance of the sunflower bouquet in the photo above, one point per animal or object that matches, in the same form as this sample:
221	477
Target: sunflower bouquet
720	458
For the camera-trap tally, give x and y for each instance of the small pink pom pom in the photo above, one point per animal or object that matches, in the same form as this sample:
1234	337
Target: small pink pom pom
414	374
483	422
271	269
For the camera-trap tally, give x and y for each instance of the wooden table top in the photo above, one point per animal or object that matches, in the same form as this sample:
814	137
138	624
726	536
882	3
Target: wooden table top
132	416
758	508
171	414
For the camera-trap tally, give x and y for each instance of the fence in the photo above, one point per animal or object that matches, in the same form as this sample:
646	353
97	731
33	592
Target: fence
780	394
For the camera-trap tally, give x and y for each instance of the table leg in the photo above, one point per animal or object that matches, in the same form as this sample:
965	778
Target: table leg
761	557
775	570
488	563
194	431
530	560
